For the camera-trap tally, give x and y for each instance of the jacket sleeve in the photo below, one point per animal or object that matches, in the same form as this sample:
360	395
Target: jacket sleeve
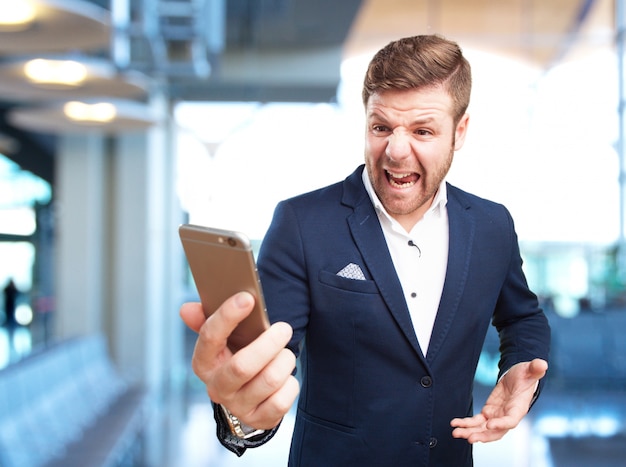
234	443
521	324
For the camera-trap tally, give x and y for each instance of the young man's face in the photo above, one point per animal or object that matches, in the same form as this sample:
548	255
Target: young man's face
410	140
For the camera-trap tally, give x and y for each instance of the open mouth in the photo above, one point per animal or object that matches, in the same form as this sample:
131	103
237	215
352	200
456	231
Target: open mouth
402	180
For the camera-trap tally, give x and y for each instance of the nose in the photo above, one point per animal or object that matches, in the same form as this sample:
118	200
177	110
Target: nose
398	145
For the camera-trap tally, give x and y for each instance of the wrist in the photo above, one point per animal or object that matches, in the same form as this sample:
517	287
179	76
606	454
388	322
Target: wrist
237	427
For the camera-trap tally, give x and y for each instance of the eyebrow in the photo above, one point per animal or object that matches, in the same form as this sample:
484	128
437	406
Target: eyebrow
424	120
418	121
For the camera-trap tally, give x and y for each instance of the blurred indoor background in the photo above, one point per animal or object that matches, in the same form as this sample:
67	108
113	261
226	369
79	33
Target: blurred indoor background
121	119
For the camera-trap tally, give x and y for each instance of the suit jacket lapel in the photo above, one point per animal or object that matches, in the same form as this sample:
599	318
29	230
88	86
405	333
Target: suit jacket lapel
462	230
370	240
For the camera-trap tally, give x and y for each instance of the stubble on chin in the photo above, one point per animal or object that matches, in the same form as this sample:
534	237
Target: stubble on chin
395	203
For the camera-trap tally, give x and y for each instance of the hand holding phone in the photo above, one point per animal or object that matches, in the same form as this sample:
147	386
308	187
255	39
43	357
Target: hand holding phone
222	264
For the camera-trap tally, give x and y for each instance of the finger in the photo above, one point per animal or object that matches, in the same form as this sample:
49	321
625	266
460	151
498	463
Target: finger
246	364
486	436
478	434
271	411
466	433
213	334
469	422
192	315
507	422
538	368
268	381
461	433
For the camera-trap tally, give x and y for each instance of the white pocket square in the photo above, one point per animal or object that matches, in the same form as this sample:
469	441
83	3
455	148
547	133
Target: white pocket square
352	271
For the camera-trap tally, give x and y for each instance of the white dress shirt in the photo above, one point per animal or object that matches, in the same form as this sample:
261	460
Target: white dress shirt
420	258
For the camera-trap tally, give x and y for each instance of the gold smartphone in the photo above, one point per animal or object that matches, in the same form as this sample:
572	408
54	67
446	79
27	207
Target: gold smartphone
222	264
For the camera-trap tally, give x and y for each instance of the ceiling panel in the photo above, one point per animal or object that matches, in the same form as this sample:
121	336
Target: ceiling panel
540	31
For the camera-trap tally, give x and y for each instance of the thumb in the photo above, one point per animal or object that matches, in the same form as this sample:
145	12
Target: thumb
538	368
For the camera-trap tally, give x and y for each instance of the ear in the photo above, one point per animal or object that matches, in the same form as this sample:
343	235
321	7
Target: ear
460	132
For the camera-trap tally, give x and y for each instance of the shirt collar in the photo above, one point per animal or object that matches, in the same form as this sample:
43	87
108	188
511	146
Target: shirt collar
436	208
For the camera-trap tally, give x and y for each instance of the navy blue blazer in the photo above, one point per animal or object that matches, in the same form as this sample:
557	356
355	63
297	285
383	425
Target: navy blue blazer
369	396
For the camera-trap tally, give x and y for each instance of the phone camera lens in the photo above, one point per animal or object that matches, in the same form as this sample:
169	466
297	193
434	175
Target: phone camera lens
232	241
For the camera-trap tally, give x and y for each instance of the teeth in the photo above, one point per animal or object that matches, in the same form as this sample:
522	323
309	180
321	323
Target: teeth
394	175
402	185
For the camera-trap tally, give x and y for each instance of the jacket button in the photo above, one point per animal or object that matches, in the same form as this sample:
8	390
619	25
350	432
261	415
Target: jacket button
426	382
432	443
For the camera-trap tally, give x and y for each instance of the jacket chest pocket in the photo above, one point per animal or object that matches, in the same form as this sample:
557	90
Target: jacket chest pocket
363	286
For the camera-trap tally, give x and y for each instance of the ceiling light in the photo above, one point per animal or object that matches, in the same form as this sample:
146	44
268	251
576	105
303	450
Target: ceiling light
56	26
17	15
101	112
101	80
55	73
111	116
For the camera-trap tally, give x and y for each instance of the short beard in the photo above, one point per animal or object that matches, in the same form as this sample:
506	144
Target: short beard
430	191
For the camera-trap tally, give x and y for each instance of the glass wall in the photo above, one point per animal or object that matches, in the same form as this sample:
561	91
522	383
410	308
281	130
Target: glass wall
22	196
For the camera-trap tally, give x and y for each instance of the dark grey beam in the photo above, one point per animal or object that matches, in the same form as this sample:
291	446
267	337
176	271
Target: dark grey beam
252	93
34	152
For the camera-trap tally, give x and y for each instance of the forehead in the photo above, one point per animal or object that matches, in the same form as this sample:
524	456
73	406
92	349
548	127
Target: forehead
434	102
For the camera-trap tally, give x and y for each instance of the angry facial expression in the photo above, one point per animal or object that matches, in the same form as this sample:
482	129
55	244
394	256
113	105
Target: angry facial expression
410	141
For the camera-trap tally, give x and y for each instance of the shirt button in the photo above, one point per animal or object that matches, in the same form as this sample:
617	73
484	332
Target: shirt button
432	443
413	294
426	382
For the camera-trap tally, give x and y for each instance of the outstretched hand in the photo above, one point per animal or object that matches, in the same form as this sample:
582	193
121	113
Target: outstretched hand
507	404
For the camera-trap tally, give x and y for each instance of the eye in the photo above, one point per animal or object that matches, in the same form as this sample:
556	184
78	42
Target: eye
380	129
423	132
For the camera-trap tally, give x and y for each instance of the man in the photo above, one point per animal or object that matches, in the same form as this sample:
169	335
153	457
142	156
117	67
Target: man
384	285
10	302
